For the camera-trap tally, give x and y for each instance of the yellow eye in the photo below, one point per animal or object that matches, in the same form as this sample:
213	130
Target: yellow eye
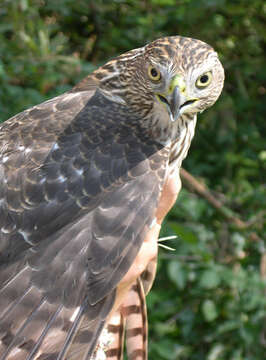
204	80
154	74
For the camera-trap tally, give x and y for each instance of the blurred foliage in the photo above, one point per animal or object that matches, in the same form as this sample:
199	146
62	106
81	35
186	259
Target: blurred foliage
208	301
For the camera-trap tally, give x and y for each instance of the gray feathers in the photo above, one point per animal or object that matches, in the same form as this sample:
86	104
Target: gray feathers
77	195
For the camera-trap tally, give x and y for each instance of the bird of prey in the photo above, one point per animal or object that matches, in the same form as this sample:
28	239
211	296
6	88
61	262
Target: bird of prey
80	180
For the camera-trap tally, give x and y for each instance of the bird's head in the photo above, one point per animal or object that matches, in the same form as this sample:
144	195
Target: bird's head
174	75
183	74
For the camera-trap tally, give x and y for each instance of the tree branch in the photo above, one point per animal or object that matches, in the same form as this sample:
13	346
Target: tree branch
192	183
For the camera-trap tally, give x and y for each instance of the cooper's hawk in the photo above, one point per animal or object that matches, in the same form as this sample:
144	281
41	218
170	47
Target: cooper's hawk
80	180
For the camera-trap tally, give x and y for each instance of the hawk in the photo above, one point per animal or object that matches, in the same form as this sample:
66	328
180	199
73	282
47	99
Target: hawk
81	176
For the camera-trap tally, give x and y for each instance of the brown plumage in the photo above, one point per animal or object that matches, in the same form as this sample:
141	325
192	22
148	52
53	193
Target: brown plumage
80	179
130	320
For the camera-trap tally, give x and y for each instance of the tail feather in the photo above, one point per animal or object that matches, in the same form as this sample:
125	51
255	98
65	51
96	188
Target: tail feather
136	323
116	328
130	322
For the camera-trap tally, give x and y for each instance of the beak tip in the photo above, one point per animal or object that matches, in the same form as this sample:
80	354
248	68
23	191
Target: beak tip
175	103
174	117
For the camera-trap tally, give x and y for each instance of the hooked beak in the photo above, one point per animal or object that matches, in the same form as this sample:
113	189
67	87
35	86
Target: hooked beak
176	99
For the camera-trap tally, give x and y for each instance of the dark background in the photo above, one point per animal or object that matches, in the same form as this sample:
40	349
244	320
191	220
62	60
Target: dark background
209	298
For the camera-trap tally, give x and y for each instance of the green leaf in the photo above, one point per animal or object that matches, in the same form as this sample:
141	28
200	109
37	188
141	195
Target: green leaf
209	279
164	328
228	326
209	310
216	352
177	274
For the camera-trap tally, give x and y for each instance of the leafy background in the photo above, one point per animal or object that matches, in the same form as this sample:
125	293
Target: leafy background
208	301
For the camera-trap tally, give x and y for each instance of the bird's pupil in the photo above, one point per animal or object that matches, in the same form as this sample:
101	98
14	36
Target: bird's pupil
154	72
204	79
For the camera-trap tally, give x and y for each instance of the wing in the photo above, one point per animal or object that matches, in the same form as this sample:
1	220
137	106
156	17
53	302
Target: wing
79	184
